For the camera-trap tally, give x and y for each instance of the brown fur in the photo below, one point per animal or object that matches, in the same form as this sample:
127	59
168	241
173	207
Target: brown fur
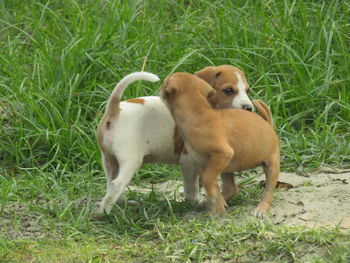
105	124
179	146
220	78
263	110
136	100
226	140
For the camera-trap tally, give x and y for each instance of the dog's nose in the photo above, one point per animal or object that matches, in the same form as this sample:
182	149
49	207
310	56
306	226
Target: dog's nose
247	107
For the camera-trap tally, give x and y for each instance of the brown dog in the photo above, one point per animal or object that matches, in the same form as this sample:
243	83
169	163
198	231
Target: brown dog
221	141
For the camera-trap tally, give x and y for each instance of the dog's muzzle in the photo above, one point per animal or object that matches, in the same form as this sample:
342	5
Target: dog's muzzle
247	107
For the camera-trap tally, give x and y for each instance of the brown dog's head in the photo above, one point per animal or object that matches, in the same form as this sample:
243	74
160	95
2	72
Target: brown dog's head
182	82
231	87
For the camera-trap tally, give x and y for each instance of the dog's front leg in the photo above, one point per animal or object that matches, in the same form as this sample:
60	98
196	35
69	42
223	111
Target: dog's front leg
215	166
190	178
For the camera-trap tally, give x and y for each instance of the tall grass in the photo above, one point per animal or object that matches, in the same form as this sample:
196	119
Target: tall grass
61	59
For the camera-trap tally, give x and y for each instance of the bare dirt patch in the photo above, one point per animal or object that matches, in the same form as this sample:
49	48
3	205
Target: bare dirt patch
17	222
321	199
26	221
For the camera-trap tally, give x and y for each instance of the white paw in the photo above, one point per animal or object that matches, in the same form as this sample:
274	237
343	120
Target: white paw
191	197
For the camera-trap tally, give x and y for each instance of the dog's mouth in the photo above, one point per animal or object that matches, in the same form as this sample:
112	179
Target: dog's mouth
247	107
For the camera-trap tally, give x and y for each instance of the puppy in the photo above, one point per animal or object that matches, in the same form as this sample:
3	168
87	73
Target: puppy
232	91
227	140
142	130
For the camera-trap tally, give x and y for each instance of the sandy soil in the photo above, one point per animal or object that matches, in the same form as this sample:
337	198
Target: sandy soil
320	199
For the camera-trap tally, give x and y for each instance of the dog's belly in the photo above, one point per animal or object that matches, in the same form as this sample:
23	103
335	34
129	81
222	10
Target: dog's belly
247	156
242	165
200	159
160	148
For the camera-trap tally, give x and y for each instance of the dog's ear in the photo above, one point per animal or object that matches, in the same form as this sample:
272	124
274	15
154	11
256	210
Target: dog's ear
168	88
211	94
207	90
209	74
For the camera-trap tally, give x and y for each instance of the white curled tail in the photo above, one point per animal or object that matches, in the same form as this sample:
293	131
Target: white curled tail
114	99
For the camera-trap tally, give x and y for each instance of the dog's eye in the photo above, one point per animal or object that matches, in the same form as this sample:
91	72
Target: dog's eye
228	91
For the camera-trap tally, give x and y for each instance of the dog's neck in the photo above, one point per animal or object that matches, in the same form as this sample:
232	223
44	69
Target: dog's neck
188	110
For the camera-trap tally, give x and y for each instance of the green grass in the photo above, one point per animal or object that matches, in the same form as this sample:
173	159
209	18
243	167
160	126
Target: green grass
59	61
53	223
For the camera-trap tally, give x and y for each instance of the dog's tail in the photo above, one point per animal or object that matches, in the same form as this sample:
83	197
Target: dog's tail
114	99
263	110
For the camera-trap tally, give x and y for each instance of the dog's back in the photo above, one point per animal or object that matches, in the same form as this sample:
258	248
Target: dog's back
252	138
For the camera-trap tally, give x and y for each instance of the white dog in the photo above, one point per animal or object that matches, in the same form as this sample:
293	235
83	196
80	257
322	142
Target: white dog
142	130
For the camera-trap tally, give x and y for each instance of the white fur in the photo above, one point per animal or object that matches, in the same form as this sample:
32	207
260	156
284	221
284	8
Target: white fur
143	133
128	79
145	128
242	98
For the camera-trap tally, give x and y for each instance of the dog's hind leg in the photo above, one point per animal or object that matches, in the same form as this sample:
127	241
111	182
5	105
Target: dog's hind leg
110	167
127	169
229	187
271	169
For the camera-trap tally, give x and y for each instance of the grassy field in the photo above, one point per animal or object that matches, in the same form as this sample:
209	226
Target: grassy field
59	61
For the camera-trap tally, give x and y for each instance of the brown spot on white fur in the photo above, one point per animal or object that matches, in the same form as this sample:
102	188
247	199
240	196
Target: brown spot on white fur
136	100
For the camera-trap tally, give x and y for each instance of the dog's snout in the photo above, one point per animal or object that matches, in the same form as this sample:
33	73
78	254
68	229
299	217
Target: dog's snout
247	107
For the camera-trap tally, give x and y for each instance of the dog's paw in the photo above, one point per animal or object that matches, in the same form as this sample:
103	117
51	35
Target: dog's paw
216	211
218	206
191	197
258	213
101	209
98	212
98	216
261	209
